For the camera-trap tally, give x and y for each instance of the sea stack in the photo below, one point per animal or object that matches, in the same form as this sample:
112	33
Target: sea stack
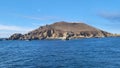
62	30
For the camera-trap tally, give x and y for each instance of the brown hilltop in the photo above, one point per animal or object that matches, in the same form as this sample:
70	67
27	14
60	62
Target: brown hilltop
62	30
72	27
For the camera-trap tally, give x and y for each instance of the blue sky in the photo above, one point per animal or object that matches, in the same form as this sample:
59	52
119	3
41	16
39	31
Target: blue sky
21	16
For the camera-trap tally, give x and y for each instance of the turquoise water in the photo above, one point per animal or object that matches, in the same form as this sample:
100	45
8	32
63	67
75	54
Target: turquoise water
78	53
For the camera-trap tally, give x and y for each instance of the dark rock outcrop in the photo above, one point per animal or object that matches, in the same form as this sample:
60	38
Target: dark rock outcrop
16	36
62	30
2	39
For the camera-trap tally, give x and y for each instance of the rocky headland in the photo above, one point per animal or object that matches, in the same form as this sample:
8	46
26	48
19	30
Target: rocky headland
62	30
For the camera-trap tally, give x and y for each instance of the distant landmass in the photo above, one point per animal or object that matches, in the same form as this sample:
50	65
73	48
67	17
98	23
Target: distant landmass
62	30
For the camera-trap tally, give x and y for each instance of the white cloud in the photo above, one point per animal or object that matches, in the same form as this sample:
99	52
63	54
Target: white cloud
13	28
41	18
113	16
38	24
7	30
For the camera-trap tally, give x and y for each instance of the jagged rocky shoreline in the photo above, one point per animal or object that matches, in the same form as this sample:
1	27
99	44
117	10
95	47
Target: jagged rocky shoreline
61	30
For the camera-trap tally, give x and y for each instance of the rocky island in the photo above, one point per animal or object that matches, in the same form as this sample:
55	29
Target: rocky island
62	30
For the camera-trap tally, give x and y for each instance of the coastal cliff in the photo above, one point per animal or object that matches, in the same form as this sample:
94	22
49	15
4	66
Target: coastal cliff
62	30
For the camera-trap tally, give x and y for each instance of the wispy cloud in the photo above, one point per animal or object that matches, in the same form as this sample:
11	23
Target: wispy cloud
7	30
38	24
111	16
41	18
13	28
34	17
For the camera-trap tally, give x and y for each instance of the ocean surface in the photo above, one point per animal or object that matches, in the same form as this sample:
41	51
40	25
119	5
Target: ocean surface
77	53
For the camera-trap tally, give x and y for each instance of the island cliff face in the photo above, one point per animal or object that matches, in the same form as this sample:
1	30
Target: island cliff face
62	30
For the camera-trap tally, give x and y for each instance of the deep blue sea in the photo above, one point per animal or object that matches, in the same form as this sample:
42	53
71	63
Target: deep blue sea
77	53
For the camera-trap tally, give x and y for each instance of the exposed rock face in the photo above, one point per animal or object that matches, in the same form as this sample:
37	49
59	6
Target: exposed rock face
62	30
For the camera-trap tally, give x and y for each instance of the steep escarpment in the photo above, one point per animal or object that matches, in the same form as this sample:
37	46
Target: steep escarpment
62	30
